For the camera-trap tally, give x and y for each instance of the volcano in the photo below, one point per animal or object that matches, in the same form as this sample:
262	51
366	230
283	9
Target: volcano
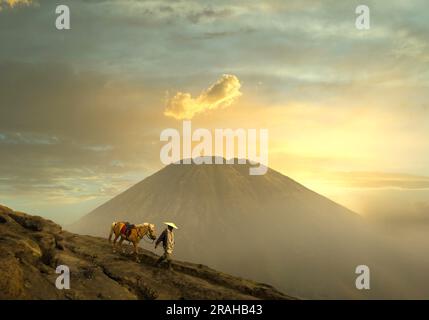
268	227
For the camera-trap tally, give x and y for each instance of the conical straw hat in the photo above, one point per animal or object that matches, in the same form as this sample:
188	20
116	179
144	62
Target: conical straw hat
171	224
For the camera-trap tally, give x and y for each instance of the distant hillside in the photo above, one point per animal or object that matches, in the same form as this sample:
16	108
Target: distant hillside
31	248
267	227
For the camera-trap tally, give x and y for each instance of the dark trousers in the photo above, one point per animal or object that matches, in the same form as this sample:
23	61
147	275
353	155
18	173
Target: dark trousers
165	257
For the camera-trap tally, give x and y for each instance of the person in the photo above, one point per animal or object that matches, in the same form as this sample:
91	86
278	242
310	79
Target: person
167	239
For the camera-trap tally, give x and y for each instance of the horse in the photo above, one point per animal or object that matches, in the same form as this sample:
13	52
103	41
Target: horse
136	234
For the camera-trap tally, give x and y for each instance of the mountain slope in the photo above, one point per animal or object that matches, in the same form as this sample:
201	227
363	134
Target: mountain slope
31	248
268	228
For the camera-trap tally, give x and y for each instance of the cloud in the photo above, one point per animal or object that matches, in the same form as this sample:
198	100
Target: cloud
375	180
220	95
63	153
14	3
208	13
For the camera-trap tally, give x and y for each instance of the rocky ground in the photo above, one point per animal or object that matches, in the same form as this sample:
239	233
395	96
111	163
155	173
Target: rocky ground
32	247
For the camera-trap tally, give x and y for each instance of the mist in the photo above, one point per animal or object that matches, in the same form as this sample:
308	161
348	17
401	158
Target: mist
271	229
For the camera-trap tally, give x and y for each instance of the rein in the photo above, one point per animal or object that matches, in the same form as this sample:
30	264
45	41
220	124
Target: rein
148	238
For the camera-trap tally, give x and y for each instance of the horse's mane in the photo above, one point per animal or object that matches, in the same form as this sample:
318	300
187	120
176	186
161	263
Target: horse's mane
146	224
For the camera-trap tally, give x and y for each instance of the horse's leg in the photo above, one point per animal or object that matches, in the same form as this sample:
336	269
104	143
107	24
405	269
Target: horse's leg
112	227
136	252
120	245
114	243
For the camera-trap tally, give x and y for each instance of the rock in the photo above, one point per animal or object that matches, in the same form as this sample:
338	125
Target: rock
31	224
11	278
31	248
2	219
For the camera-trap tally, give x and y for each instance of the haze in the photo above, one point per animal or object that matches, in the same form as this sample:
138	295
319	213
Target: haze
81	110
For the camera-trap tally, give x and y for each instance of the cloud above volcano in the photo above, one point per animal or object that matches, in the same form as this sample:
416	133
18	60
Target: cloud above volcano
219	95
14	3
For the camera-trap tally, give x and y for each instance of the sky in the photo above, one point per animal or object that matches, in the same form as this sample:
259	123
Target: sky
81	110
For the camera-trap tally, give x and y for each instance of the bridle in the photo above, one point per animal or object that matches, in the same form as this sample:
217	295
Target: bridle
143	238
148	238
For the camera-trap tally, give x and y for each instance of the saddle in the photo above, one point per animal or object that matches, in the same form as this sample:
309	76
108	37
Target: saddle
126	229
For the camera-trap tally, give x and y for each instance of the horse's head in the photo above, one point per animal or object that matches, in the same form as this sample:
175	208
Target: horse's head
146	229
152	232
149	229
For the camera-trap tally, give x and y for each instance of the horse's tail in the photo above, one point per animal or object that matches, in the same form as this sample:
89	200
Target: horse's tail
112	227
